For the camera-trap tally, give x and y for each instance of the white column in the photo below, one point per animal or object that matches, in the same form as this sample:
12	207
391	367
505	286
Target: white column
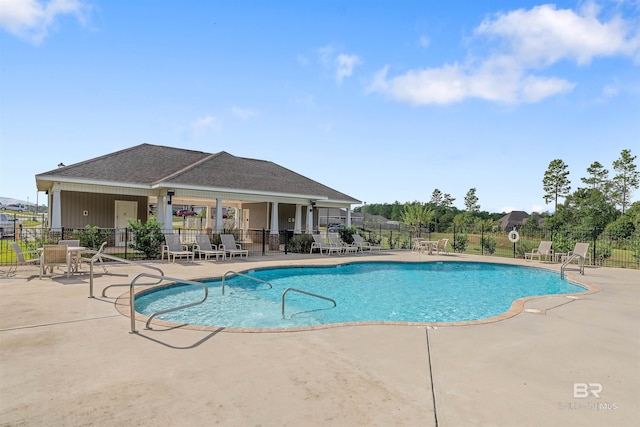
349	216
207	222
309	219
56	211
218	215
160	210
297	228
168	215
274	218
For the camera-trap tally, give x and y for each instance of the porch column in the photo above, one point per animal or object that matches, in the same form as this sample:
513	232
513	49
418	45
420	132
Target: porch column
168	215
56	210
297	228
309	219
218	215
349	216
207	223
274	234
160	209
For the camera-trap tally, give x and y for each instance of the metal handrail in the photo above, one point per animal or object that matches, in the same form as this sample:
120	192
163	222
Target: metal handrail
306	293
115	258
243	275
568	261
132	299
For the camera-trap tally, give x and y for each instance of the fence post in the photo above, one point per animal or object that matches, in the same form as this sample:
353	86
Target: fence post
264	238
595	237
390	239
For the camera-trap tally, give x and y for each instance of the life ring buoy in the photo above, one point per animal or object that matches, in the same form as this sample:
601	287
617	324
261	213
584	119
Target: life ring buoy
514	236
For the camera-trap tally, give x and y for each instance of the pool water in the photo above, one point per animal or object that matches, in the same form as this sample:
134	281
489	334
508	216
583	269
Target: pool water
364	292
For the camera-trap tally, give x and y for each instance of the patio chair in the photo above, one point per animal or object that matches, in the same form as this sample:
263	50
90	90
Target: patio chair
416	244
578	255
322	246
544	249
174	248
93	254
362	244
54	256
20	258
230	247
204	247
76	259
441	247
335	240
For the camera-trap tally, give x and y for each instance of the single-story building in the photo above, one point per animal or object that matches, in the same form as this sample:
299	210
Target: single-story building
516	219
109	190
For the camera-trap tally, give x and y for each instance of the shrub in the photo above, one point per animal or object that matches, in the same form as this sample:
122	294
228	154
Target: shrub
148	237
300	243
92	236
460	242
488	244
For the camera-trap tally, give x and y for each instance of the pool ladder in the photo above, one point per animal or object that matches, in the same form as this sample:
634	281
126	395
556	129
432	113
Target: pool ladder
306	293
568	261
132	298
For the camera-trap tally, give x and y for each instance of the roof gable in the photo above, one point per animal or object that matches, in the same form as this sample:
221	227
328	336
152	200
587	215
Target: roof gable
154	165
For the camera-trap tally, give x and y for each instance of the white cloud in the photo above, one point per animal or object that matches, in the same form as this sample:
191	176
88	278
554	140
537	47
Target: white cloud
243	113
528	41
344	66
32	20
199	126
341	64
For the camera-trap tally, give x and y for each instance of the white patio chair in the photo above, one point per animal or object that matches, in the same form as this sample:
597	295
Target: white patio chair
204	247
230	246
21	259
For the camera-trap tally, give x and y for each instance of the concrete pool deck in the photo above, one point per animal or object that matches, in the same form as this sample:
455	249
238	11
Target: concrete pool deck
66	359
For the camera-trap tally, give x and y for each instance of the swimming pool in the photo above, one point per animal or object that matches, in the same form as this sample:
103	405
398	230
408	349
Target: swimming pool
381	292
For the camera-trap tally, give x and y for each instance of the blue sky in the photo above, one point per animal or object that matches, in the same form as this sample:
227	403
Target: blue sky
382	100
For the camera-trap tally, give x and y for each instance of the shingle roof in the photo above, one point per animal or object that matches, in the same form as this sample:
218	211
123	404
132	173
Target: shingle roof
150	165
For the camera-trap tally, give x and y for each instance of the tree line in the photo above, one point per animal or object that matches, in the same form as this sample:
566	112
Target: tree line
602	202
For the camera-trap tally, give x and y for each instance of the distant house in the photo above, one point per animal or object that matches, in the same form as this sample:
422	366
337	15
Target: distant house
516	219
109	190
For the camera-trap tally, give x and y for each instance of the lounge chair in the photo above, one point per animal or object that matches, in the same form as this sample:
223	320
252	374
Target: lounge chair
440	247
174	248
20	258
544	249
345	248
579	255
204	247
93	254
230	247
363	245
54	256
321	245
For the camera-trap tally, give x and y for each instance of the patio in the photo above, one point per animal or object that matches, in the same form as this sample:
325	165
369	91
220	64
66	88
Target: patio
67	359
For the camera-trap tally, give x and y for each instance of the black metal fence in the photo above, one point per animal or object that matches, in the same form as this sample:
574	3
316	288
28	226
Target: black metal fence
604	249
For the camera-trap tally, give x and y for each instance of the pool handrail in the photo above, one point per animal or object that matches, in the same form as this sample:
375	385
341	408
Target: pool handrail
243	275
132	299
581	261
115	258
306	293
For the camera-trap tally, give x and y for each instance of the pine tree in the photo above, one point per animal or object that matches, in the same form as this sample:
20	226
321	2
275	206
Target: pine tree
556	182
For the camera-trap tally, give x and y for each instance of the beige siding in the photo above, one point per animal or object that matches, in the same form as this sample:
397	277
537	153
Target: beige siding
100	209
